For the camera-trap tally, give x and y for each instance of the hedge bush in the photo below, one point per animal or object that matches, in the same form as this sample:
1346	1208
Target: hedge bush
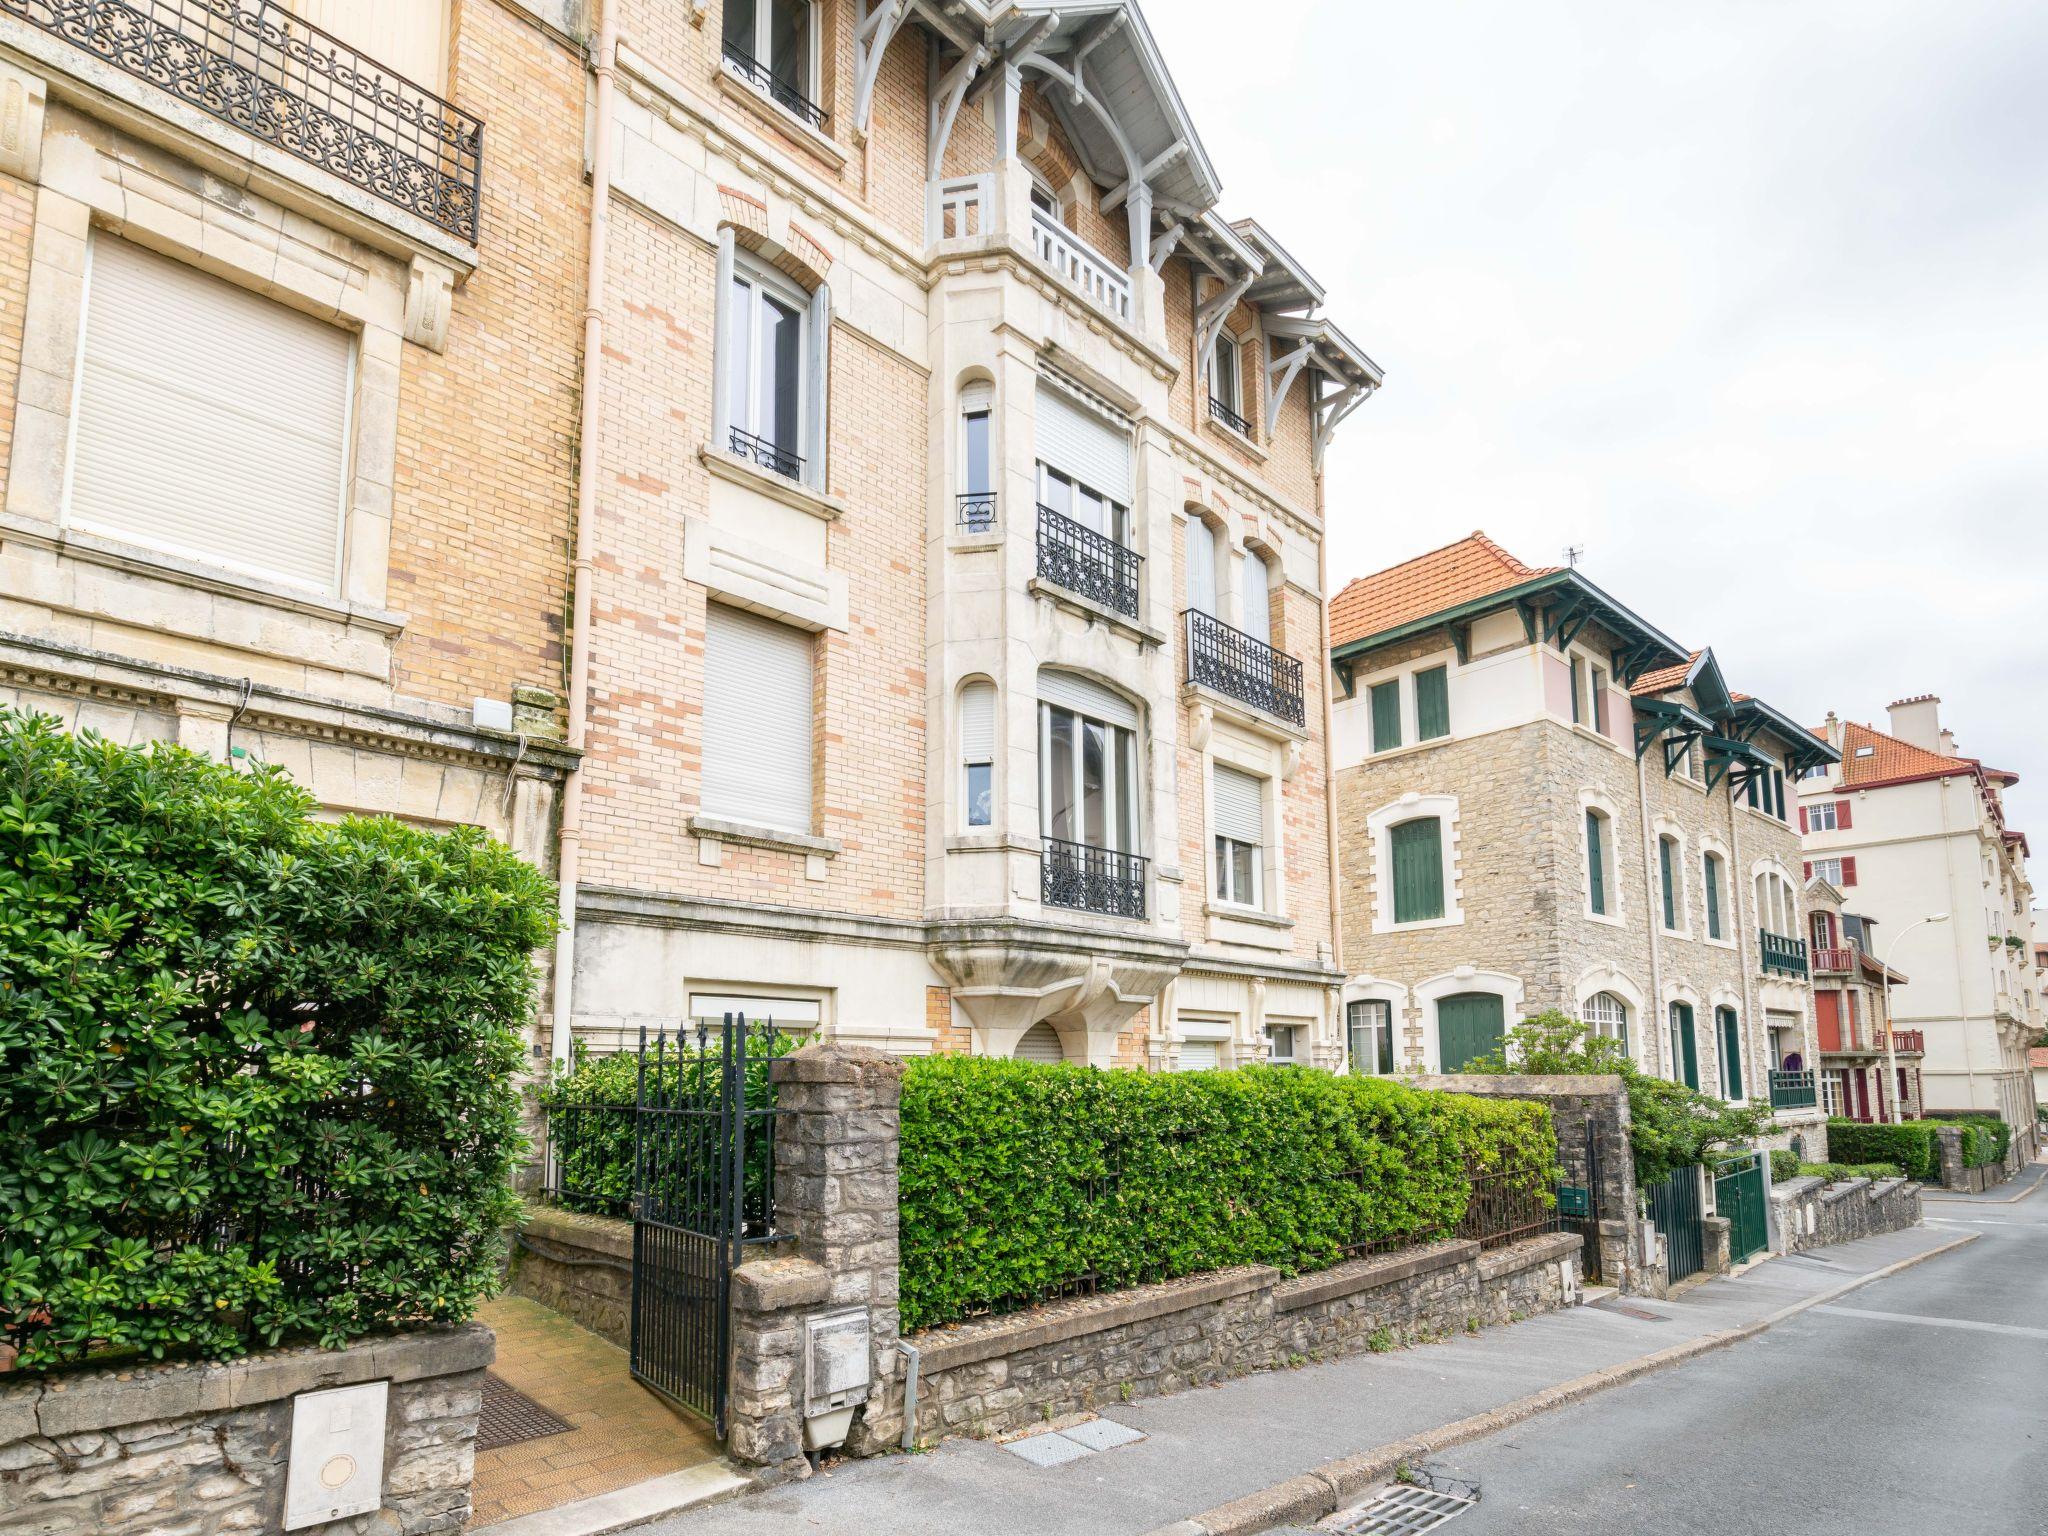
1785	1166
1911	1146
1021	1179
256	1071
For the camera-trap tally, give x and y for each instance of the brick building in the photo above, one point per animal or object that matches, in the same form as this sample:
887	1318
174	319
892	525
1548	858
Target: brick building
954	555
1545	802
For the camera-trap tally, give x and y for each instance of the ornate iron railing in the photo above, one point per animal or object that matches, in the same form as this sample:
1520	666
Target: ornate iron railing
1793	1090
1078	558
766	454
976	511
255	66
1243	667
778	90
1223	413
1092	879
1785	956
1081	264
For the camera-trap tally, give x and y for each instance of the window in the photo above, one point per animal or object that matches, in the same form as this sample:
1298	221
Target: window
210	422
1371	1023
1043	198
1040	1043
1600	701
1817	771
1829	870
1667	868
1084	504
790	1015
1606	1016
778	36
1866	751
1258	598
1084	463
1710	883
1226	378
1731	1054
1280	1043
1088	761
1685	1061
978	752
1777	909
764	366
1820	817
1416	849
1596	863
1432	703
977	471
1386	715
758	714
1201	566
1578	691
1237	801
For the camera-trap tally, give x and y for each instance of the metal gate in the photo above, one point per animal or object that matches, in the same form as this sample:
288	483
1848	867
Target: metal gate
1578	1203
703	1188
1739	1195
1675	1208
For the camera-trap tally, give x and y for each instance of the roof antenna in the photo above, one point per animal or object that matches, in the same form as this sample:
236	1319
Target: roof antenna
1572	553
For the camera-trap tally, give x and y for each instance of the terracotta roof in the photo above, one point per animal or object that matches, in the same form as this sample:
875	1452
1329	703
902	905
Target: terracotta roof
1892	759
1458	573
2037	1056
1664	679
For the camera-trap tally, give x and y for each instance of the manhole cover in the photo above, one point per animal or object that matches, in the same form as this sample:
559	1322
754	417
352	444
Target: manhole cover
510	1416
1404	1509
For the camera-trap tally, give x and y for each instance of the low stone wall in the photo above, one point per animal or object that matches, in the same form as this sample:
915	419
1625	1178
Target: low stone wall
580	1266
203	1449
1972	1181
1001	1374
1812	1214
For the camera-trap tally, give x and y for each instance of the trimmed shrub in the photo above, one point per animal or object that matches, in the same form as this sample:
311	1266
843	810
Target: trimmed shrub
1910	1146
1984	1141
1022	1181
1834	1172
257	1072
1784	1165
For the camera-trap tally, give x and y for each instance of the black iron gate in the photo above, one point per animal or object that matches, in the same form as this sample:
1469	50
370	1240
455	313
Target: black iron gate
1578	1203
703	1189
1675	1209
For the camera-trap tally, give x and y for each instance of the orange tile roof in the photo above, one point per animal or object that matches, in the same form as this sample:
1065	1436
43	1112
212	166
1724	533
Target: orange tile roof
2037	1056
1471	568
1663	679
1891	758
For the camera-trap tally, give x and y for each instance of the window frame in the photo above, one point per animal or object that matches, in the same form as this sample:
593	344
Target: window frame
969	764
1386	688
1122	800
1596	838
1274	1055
1815	822
1672	909
1600	1026
1116	515
1394	843
1442	672
1714	896
1384	1028
744	336
811	87
1226	386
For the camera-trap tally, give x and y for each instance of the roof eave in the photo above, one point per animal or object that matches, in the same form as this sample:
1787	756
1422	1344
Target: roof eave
1609	611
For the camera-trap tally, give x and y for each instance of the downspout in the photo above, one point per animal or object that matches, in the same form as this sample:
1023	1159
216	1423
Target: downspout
1651	897
1736	881
1330	769
569	860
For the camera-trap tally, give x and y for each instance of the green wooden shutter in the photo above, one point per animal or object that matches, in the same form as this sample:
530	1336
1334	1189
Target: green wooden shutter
1731	1053
1417	848
1386	716
1670	892
1432	704
1596	863
1710	880
1684	1048
1468	1026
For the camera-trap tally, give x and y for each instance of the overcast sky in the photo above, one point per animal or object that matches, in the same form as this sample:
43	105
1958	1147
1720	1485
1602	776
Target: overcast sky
1747	300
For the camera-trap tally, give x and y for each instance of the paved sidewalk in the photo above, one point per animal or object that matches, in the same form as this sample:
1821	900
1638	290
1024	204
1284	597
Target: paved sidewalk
1207	1447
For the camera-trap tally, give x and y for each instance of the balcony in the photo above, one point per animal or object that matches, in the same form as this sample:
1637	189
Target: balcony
1908	1042
256	67
1087	563
1100	280
1834	960
975	511
1243	668
744	66
769	456
1089	879
1218	411
1781	956
1793	1090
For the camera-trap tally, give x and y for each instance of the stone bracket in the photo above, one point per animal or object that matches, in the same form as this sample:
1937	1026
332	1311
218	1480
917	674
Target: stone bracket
429	299
23	99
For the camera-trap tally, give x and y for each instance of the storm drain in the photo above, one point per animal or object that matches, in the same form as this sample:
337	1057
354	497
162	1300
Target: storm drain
509	1416
1404	1509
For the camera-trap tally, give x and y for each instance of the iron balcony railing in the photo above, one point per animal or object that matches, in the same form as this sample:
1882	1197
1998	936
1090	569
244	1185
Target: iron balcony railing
976	511
1787	957
1792	1090
766	454
1223	413
1834	958
257	67
1243	667
1090	879
1083	561
778	90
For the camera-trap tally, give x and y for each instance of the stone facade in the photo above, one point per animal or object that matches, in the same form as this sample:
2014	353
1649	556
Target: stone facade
1809	1213
202	1450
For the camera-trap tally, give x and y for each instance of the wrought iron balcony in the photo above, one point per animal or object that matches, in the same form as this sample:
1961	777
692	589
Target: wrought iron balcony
1091	564
257	67
1091	879
1242	667
766	454
1785	957
1793	1090
776	89
977	511
1223	413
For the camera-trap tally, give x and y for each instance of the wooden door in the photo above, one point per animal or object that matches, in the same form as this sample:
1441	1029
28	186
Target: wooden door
1468	1026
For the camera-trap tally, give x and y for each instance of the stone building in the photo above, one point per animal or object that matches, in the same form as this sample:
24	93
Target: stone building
954	555
288	390
1915	834
1546	802
1850	1029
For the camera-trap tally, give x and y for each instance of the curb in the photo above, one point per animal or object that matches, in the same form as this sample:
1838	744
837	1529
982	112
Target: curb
1305	1499
1951	1197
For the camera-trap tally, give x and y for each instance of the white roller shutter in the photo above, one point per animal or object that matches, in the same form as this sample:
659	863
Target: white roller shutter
1238	802
1041	1042
1092	449
978	723
407	37
980	395
800	1015
1201	566
1200	1056
1069	690
1258	599
211	422
757	720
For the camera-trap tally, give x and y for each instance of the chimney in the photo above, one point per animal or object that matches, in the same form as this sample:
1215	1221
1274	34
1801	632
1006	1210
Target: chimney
1831	731
1918	720
1948	742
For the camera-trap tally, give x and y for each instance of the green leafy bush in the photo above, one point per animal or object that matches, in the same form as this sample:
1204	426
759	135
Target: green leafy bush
1985	1140
1911	1146
1834	1172
256	1071
1671	1126
1784	1165
1020	1180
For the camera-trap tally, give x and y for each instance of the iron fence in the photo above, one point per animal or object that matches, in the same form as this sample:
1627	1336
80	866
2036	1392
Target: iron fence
1243	667
1229	418
1089	879
1076	557
261	69
1509	1201
771	456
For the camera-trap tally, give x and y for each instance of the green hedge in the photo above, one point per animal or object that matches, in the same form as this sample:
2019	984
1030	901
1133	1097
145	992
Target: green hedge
256	1071
1021	1180
1911	1146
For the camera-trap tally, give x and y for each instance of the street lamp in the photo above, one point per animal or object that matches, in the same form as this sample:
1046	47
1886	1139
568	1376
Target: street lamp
1891	1059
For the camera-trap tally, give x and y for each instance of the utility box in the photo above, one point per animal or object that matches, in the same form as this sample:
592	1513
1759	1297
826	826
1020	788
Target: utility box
837	1374
337	1454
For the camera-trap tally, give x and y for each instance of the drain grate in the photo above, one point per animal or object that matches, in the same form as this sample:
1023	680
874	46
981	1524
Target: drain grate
1403	1509
509	1416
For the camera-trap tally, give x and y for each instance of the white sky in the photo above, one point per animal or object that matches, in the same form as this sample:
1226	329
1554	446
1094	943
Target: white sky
1748	299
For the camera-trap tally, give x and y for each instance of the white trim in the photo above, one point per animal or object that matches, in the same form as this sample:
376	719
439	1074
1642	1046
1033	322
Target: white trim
1379	828
1368	989
1465	978
1603	977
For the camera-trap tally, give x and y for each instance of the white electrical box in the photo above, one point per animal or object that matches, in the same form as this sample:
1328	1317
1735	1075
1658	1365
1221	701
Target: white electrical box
835	1360
492	715
337	1455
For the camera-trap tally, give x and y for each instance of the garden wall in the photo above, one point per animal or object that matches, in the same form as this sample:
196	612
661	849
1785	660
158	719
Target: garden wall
1814	1214
204	1449
579	1266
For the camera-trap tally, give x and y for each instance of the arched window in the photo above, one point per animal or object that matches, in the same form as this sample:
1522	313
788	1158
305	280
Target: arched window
977	499
1777	908
1731	1053
1606	1015
1371	1022
1258	598
978	752
1041	1042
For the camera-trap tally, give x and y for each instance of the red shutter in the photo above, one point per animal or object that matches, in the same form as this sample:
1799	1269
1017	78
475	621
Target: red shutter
1809	870
1842	822
1849	871
1802	821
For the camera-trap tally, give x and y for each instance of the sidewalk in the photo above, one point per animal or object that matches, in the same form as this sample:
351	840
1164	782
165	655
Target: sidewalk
1208	1447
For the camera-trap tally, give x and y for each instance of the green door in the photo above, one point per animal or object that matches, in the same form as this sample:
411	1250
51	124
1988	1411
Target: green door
1739	1196
1468	1026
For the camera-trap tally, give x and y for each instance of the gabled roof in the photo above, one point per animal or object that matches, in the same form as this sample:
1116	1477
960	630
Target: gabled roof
1446	578
1892	761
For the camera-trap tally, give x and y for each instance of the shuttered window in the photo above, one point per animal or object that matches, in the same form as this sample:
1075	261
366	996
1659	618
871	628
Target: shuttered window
406	37
1200	1056
1668	870
1072	691
1710	881
1386	716
757	720
1085	445
1596	864
1432	703
1258	599
1201	567
211	422
978	751
1416	849
1237	802
1731	1054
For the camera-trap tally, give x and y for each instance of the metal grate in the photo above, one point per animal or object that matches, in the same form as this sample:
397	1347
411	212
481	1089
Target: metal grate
509	1416
1404	1509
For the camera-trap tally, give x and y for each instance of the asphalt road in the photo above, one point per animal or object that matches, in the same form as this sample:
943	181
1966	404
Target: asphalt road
1918	1404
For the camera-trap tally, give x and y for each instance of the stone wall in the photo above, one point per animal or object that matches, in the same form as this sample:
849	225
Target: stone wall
1954	1175
579	1266
203	1449
1813	1214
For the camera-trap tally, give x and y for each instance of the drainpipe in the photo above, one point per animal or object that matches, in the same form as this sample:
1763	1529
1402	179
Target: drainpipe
1736	881
1650	909
569	860
1330	769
